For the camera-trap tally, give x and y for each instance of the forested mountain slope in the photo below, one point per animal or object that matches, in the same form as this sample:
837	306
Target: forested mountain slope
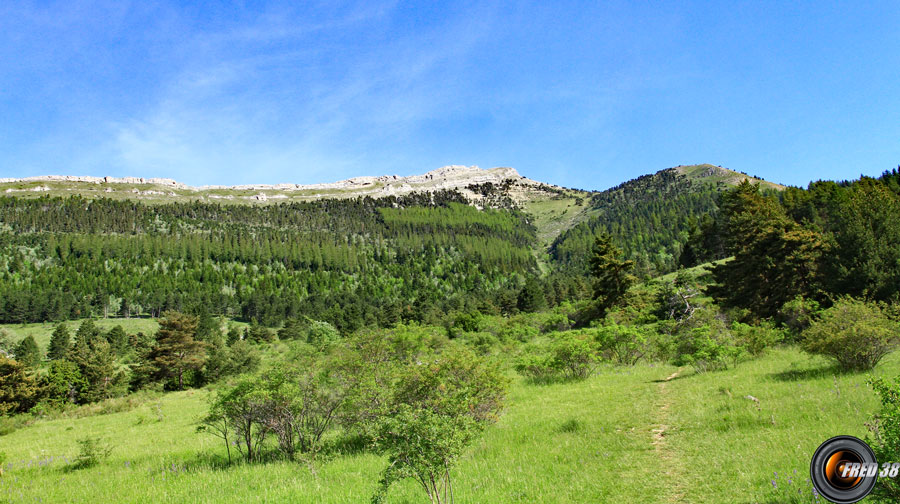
650	217
85	247
350	262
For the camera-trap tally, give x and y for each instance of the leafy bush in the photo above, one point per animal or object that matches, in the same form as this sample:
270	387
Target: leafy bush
755	339
623	344
884	430
798	314
556	322
517	332
91	452
321	334
707	347
853	333
481	342
536	365
463	323
571	357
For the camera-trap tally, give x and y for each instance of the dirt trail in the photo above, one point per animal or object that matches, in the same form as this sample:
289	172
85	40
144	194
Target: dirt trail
673	470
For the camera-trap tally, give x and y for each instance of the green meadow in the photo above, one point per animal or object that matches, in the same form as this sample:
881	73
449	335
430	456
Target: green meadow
647	433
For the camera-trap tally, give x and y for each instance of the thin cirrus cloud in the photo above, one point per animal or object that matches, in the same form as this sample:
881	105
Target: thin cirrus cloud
288	114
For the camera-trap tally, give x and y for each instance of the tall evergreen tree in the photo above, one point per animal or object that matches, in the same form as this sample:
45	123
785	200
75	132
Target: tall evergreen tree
775	259
117	339
27	352
531	297
176	351
612	274
60	342
96	363
87	333
63	382
866	262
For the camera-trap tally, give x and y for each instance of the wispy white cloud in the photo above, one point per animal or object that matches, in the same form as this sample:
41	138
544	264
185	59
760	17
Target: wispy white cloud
249	109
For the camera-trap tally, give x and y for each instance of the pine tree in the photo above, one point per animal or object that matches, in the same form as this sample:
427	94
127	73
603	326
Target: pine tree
96	363
27	352
612	275
87	333
176	351
531	297
775	259
62	382
60	342
117	339
18	390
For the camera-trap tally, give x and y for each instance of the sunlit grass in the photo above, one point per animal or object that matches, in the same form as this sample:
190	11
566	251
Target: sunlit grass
589	441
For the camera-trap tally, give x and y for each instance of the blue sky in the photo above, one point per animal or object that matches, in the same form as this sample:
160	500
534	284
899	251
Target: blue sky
582	94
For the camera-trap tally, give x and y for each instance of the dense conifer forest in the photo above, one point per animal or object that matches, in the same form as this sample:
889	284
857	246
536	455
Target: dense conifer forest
351	262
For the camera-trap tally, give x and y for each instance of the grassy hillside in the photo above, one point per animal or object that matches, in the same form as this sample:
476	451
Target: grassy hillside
623	435
41	331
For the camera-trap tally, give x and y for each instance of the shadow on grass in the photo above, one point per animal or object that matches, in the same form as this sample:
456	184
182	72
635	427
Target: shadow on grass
554	380
77	466
811	373
341	446
346	445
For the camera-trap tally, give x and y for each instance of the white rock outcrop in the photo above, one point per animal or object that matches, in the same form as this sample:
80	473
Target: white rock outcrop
447	177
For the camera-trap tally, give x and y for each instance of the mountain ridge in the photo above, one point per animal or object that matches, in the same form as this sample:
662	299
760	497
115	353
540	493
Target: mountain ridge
449	177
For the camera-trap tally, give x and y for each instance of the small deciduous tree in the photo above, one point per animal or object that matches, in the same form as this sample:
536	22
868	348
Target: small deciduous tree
237	414
440	406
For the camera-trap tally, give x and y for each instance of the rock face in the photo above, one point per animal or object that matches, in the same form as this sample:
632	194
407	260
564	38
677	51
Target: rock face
97	180
447	177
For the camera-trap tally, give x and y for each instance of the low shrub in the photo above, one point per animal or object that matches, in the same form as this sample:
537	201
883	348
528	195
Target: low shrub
91	451
521	333
535	365
623	344
709	347
755	339
573	356
569	357
556	322
853	333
